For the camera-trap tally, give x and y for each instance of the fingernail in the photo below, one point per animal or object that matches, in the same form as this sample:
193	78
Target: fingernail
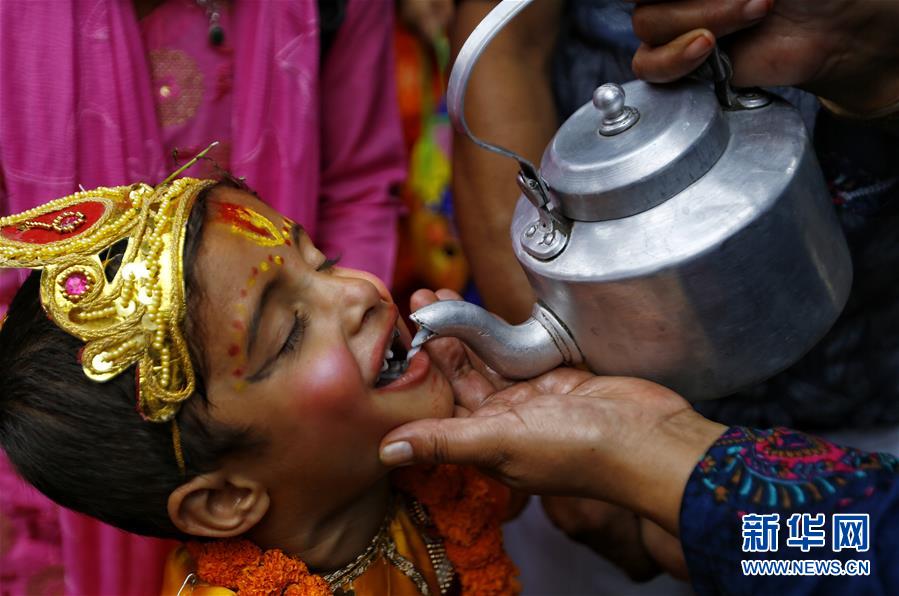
396	454
755	9
698	48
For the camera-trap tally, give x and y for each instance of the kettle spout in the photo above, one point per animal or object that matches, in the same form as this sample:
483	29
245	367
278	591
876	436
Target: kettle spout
515	351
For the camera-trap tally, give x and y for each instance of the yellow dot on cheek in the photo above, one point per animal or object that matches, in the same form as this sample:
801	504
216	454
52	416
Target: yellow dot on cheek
278	260
263	266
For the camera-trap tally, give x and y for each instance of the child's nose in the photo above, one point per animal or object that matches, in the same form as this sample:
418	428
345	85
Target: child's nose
374	280
357	294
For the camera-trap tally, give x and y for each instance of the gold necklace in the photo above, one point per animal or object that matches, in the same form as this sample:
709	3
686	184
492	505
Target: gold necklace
382	544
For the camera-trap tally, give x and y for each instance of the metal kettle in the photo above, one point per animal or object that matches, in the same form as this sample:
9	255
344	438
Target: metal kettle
681	233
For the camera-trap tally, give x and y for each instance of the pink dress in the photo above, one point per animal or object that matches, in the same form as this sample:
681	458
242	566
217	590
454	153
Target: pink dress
90	96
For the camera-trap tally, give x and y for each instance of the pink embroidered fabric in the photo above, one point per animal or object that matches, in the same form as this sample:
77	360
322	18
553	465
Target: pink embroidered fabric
90	96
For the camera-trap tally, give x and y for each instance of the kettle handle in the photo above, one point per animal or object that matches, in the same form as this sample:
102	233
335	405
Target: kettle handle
468	56
553	227
719	70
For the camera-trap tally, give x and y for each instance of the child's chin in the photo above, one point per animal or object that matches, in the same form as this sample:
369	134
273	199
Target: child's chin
417	406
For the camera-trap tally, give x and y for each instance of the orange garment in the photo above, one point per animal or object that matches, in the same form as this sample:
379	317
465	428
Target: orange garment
381	579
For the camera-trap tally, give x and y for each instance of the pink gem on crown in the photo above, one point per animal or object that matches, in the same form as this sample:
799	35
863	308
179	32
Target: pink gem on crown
70	221
76	285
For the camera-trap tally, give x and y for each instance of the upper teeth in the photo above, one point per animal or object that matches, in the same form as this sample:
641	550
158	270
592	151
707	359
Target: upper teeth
391	368
388	353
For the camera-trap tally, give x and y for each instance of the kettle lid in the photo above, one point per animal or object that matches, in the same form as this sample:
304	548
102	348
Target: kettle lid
633	147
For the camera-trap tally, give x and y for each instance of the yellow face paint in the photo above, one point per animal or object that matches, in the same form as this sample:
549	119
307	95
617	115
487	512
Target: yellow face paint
287	230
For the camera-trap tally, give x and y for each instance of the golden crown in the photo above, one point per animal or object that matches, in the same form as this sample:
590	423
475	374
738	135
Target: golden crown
134	318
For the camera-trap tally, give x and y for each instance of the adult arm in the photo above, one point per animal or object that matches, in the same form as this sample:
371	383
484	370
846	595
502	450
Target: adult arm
636	444
362	150
509	102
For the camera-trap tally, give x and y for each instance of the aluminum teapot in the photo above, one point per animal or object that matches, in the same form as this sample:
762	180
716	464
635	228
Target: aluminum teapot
681	233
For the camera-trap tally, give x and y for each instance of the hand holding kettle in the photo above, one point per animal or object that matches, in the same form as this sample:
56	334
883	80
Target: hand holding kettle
841	50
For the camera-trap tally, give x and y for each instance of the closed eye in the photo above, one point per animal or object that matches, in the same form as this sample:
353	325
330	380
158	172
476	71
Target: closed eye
291	343
296	334
328	264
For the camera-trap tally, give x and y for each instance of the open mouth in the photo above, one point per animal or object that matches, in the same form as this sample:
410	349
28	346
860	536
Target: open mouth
395	362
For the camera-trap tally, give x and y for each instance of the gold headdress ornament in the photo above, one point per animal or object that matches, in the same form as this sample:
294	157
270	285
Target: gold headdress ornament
134	318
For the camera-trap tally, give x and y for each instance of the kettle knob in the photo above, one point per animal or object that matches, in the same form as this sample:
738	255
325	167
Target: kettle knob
616	116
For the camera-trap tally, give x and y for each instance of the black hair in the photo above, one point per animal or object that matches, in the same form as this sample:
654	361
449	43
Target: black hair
83	443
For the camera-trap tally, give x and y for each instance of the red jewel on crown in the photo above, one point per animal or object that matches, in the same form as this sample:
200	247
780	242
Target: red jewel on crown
76	284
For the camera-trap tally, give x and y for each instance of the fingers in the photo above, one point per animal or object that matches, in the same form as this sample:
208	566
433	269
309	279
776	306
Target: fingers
659	23
673	60
471	382
607	529
470	386
665	549
679	35
460	412
424	297
445	294
421	298
470	441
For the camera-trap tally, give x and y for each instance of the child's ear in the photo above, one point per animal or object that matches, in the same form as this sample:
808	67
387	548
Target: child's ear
218	505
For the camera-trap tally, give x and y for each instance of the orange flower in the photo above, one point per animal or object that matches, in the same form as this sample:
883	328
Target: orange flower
310	585
221	562
460	524
241	566
477	553
430	484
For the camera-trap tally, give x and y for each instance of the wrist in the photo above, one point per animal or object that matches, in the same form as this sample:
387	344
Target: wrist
666	461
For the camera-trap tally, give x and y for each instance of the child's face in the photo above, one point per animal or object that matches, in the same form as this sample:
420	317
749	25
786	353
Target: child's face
294	350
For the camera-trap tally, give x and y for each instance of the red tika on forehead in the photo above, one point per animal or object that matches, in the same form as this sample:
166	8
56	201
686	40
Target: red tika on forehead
248	223
56	225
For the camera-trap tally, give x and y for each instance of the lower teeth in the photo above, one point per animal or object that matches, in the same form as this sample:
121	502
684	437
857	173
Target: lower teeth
395	370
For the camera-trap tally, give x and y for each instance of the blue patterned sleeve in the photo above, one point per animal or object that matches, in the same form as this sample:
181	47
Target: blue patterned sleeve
782	512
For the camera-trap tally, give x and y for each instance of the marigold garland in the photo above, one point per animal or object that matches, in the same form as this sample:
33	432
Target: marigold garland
467	511
241	566
462	504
